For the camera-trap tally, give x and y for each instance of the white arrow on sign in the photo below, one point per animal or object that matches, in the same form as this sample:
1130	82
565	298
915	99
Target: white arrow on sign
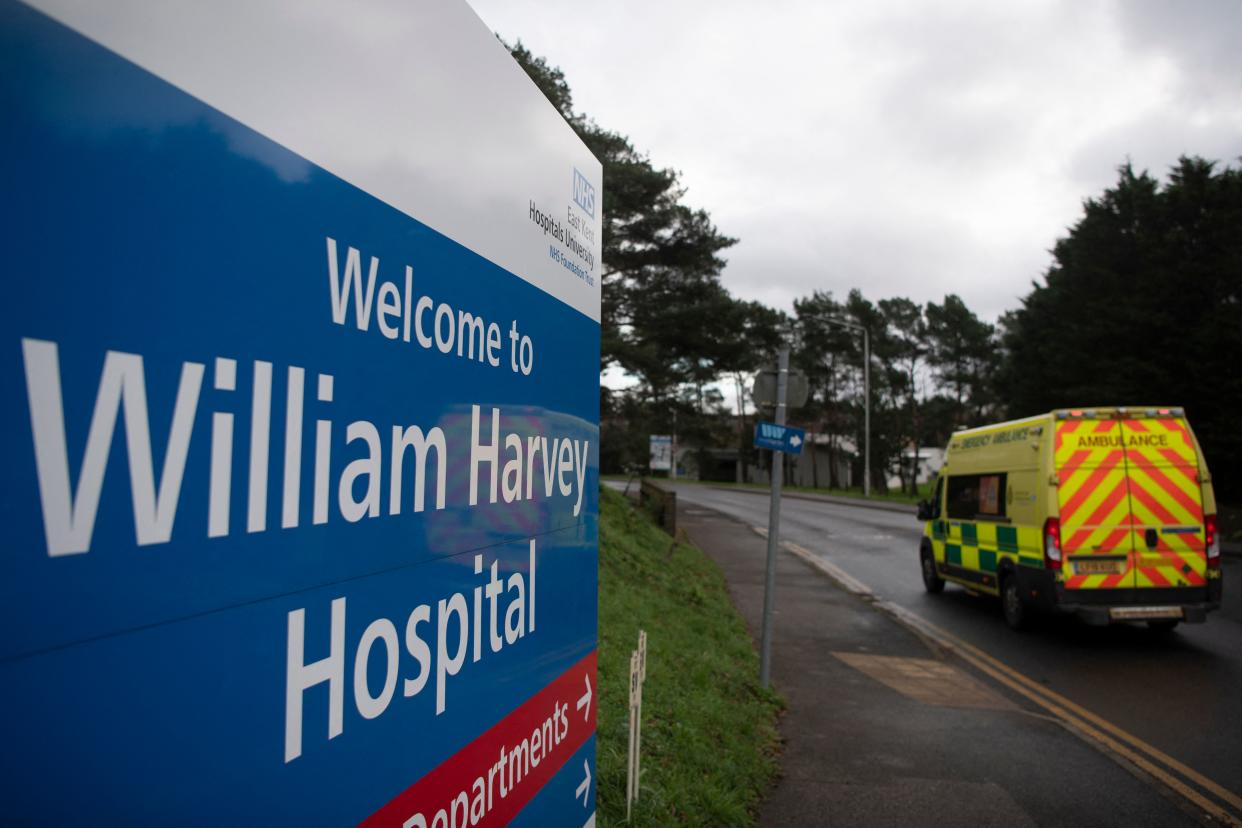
584	701
795	441
584	787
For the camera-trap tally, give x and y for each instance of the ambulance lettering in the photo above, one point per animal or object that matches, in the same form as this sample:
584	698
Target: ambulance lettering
1117	441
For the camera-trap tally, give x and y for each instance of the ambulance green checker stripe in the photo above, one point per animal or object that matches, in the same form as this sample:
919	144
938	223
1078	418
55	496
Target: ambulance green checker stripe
970	534
981	546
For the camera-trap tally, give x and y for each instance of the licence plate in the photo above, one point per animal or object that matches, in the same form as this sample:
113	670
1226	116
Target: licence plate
1132	613
1099	567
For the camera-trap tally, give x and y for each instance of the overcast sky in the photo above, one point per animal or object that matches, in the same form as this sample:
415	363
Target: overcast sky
908	149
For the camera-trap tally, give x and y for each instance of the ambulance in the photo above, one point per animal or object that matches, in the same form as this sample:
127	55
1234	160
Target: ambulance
1106	513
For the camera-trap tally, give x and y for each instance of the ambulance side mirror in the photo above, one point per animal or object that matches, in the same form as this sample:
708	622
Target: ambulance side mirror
926	512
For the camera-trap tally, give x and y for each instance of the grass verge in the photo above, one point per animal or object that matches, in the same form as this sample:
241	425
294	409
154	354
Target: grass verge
709	740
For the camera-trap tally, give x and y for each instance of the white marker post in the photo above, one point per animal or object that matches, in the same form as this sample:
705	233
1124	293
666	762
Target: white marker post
638	718
638	675
631	782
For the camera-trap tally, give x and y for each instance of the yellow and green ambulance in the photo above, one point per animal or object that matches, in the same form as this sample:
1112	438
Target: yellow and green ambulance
1107	513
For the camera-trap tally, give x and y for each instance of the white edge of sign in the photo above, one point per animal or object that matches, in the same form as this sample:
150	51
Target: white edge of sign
413	101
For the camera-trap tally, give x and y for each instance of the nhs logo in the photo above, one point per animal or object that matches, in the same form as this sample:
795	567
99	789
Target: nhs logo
584	193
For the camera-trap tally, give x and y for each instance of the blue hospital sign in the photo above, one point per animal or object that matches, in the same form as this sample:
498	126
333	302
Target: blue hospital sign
779	437
301	491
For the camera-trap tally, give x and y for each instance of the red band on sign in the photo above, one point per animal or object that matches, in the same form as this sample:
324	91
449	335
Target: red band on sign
489	780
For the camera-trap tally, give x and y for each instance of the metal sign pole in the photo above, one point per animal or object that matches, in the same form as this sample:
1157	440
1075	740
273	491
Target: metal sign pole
774	523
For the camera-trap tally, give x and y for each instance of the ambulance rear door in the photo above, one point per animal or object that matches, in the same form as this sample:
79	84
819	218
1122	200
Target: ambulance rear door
1165	499
1094	500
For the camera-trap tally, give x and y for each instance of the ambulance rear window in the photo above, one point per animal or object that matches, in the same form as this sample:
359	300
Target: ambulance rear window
974	496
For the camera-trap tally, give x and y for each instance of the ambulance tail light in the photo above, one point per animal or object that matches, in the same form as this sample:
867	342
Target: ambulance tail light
1211	540
1053	558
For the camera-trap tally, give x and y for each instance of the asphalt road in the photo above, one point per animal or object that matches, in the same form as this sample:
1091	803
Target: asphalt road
1181	692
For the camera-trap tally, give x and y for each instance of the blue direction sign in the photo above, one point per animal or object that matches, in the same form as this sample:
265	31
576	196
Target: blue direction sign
300	491
779	437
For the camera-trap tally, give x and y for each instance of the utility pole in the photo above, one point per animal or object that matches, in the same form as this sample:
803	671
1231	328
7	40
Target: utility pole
866	398
774	522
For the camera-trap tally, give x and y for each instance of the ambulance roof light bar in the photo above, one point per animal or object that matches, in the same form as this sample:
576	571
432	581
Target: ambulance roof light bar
1119	413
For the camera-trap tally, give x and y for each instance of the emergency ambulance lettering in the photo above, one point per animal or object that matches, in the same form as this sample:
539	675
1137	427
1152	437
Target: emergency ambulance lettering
1011	436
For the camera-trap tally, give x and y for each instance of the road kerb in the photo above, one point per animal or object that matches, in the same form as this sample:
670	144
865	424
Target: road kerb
846	580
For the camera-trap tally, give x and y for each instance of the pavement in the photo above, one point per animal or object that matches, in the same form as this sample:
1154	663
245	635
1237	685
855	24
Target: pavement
884	727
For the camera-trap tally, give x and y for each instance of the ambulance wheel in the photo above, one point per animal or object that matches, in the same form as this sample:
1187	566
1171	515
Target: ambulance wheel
1017	615
1163	625
932	581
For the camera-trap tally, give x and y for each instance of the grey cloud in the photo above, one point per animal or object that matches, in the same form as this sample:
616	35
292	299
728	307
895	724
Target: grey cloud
1154	144
981	86
929	256
1200	36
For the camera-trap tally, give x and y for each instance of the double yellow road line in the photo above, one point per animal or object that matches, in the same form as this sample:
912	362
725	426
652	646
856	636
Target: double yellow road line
1218	803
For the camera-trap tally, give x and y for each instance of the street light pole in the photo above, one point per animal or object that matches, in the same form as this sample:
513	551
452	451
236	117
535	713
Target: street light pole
866	413
866	399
